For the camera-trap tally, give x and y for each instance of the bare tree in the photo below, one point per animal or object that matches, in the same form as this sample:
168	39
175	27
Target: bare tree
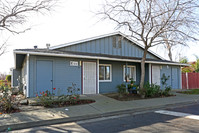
3	48
14	13
148	21
188	24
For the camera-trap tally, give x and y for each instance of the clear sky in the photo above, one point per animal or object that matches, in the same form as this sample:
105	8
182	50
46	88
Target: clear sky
71	21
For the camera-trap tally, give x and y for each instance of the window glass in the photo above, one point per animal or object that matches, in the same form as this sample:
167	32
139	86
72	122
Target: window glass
131	73
101	72
105	72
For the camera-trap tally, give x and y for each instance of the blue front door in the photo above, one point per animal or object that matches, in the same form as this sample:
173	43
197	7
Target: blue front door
44	76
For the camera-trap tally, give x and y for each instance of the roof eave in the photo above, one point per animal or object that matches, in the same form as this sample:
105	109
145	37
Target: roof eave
96	57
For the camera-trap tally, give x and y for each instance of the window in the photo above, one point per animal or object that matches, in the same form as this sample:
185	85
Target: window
131	72
104	72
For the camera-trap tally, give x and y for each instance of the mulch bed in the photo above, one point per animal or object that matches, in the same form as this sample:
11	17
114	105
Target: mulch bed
56	104
12	111
67	103
130	97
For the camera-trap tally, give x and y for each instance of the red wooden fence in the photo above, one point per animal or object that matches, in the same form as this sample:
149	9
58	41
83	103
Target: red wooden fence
190	80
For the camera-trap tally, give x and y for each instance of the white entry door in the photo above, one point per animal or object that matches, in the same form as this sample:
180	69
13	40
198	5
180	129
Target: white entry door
89	77
155	74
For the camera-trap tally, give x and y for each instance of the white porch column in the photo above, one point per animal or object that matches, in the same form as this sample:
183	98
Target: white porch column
27	82
150	73
97	76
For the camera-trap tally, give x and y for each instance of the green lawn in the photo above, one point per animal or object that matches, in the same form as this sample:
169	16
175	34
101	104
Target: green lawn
193	91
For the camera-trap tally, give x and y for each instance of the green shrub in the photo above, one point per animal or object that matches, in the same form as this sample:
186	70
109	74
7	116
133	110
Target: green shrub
122	90
167	90
152	90
46	98
8	78
73	96
7	101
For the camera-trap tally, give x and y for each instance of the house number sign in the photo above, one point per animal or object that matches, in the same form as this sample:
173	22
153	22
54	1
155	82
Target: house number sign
73	63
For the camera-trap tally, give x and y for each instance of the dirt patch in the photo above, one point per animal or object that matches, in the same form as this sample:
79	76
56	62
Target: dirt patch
56	104
130	97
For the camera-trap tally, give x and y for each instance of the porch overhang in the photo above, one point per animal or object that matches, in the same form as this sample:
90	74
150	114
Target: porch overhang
19	59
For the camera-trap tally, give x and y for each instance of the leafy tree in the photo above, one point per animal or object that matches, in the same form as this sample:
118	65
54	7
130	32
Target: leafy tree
184	60
8	78
196	64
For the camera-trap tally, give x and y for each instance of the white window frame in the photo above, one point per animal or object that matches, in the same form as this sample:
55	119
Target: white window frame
110	72
124	67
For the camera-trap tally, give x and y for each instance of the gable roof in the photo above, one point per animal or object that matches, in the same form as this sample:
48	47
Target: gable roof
103	36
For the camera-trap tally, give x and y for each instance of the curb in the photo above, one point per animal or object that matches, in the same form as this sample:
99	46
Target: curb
93	116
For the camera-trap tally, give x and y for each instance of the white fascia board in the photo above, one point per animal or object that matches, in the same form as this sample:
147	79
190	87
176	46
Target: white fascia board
83	40
97	57
167	63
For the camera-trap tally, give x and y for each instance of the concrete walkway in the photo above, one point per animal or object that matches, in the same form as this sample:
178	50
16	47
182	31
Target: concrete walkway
103	107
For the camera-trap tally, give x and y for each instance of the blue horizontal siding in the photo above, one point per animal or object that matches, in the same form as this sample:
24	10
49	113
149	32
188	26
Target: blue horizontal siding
174	73
63	74
117	75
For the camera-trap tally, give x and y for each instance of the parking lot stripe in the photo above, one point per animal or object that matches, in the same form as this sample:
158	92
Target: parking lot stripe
179	114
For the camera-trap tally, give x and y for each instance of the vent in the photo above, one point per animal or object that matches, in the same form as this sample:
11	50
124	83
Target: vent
35	47
120	42
117	41
114	41
48	45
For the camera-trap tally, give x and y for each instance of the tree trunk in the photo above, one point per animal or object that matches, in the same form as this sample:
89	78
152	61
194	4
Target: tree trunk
142	89
170	55
168	46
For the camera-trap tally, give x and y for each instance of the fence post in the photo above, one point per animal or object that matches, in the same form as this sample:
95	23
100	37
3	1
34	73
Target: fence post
187	80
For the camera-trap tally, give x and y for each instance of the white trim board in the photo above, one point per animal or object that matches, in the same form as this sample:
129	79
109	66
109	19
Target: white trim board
27	69
97	57
110	73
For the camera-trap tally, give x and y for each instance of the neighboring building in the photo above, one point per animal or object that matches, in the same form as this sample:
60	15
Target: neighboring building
189	68
95	65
